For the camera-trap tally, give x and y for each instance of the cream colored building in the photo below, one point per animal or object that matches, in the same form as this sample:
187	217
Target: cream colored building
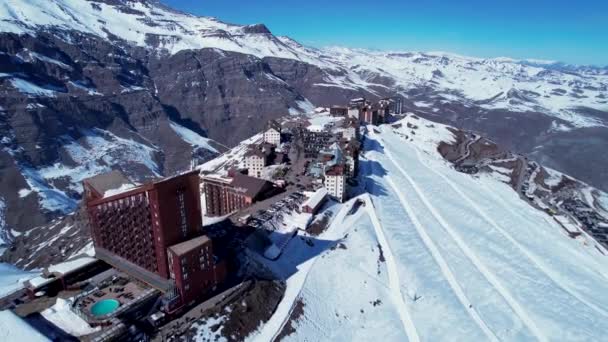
335	182
272	136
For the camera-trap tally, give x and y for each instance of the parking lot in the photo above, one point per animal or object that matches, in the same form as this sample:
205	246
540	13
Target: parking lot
269	218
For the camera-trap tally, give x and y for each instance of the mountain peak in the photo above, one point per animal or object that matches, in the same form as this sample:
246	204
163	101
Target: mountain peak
256	29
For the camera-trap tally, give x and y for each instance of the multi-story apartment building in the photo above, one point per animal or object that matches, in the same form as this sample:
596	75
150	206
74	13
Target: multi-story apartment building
133	228
351	130
257	158
194	268
335	181
224	195
272	134
354	112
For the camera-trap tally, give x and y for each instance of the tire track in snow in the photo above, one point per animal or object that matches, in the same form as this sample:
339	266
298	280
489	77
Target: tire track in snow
535	261
393	274
442	263
490	277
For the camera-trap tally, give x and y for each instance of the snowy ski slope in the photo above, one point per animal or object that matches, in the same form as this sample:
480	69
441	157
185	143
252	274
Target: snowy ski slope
464	259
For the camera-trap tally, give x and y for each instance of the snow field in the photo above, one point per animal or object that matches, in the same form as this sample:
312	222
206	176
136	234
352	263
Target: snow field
547	276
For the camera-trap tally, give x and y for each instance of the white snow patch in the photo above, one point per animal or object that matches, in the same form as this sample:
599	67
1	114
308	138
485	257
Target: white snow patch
24	192
61	315
31	89
14	329
119	190
554	177
192	137
12	278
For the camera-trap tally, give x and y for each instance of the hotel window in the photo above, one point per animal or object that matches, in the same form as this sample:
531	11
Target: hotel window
182	212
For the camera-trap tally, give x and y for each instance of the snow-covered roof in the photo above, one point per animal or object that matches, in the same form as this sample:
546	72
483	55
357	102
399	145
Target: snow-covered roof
39	281
14	328
109	183
61	315
118	190
316	198
71	265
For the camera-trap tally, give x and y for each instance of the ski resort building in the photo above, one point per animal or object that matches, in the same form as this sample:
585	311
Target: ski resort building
194	268
272	134
335	181
351	131
315	201
257	158
226	195
354	112
338	111
134	228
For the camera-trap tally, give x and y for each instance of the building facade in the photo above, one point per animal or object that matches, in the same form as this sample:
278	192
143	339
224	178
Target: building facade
255	163
350	132
338	111
221	198
354	112
335	181
139	224
133	229
272	134
257	158
194	268
224	196
369	115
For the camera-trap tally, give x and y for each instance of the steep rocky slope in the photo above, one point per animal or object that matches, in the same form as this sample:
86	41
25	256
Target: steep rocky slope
90	85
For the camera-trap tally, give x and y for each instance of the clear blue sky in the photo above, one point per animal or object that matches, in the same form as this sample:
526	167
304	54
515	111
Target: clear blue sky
573	31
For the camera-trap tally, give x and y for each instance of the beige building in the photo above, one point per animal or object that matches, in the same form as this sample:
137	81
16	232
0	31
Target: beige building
335	181
272	134
256	159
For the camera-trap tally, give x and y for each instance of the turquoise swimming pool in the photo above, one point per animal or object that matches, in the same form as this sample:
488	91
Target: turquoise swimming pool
104	307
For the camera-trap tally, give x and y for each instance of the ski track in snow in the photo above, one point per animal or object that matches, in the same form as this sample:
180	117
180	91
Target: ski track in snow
481	267
393	274
535	261
442	263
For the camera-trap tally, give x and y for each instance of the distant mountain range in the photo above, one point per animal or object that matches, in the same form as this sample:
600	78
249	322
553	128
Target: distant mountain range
91	85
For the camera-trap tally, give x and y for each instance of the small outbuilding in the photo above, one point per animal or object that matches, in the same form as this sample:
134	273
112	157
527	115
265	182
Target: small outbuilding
315	202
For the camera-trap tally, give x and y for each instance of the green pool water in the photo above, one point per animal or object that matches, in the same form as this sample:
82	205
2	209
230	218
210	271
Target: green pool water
104	307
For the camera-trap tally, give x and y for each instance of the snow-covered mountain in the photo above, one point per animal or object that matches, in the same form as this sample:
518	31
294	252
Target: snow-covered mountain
499	83
88	85
428	253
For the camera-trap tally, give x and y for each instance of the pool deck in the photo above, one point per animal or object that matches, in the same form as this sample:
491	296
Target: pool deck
124	294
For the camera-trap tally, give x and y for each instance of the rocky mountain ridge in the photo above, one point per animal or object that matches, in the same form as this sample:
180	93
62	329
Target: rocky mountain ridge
90	85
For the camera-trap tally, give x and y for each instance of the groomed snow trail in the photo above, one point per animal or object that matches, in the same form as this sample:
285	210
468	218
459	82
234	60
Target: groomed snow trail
442	263
393	274
508	236
492	279
602	249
